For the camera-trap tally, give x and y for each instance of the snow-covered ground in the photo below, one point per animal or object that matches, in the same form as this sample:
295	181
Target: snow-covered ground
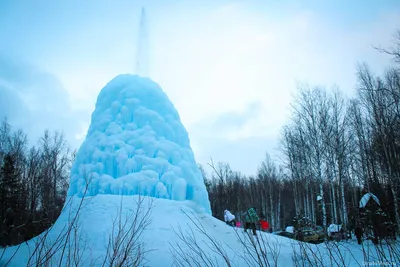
98	214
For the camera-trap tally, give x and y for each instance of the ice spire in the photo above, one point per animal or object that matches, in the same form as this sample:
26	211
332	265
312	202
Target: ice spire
142	54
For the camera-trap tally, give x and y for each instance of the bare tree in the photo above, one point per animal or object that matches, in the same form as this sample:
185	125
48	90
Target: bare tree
395	50
125	246
194	253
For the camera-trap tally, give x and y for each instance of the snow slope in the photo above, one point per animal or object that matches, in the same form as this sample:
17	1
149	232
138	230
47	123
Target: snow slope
136	144
99	212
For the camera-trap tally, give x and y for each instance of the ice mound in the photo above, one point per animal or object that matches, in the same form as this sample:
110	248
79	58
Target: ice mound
136	144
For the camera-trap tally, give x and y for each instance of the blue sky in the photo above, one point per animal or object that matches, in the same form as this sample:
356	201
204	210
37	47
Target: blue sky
229	67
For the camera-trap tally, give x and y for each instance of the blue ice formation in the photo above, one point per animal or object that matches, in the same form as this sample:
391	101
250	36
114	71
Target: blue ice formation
136	144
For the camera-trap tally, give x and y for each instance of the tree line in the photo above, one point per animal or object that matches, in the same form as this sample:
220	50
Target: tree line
33	182
334	151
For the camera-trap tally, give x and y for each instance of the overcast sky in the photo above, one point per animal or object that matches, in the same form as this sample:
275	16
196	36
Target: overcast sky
229	67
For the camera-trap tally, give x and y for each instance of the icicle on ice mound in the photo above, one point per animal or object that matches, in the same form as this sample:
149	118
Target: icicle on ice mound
136	144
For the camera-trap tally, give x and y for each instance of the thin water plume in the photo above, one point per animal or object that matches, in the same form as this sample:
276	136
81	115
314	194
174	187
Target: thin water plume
142	54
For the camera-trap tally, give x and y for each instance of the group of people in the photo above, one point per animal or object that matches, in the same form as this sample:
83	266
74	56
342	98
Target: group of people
250	219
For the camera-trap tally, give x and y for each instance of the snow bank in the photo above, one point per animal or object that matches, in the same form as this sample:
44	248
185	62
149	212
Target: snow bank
98	213
136	144
95	224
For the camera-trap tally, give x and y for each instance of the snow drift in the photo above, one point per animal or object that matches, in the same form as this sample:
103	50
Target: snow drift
136	144
96	221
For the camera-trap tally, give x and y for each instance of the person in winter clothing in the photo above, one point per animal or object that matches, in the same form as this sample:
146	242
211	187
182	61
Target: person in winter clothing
229	218
264	225
359	233
251	218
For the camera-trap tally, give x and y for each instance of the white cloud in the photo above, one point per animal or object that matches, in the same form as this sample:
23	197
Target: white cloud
280	53
34	100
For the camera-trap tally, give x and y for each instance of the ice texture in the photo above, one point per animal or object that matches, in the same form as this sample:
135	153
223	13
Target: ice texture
136	144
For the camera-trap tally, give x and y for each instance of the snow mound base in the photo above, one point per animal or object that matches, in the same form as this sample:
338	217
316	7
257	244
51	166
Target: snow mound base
96	219
136	144
100	216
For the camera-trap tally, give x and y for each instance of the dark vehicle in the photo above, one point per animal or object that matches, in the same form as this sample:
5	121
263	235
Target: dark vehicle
285	234
306	234
310	235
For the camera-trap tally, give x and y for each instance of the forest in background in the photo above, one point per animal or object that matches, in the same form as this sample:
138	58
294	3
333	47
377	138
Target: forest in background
334	151
33	182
